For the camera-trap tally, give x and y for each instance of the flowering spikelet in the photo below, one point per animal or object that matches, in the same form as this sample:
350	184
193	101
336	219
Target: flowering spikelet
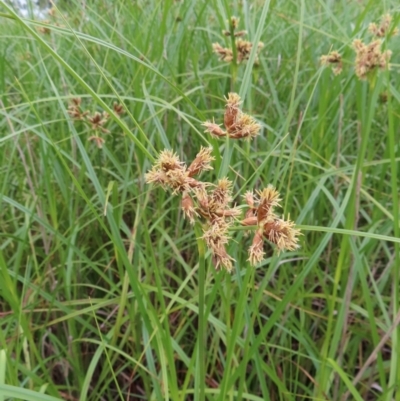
269	198
214	204
238	124
283	234
74	109
214	129
216	237
224	53
369	57
232	109
384	28
256	250
335	59
98	120
188	207
242	47
278	231
169	172
201	163
97	140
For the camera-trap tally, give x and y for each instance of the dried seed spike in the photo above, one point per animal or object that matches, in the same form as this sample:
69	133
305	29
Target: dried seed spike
239	34
283	234
269	198
187	205
214	129
168	160
221	195
256	251
224	53
234	22
216	237
245	127
232	110
249	198
97	140
201	162
118	108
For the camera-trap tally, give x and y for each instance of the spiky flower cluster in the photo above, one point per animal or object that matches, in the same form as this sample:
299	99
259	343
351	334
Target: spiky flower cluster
237	124
242	47
333	59
96	121
169	172
211	202
370	57
202	199
384	29
269	226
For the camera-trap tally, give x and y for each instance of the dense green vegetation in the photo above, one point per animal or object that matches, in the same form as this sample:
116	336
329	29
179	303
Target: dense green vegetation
101	275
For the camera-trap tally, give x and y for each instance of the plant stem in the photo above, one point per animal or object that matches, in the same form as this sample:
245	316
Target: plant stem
202	327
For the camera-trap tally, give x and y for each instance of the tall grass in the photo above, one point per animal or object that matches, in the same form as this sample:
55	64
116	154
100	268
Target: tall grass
100	275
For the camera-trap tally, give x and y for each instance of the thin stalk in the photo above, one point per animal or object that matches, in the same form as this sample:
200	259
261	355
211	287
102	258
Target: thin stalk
394	376
201	334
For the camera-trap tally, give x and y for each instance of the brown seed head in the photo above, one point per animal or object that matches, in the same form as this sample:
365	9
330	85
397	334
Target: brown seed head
118	108
188	207
97	140
202	162
283	234
214	129
224	53
234	22
245	127
256	251
216	237
369	57
269	198
232	110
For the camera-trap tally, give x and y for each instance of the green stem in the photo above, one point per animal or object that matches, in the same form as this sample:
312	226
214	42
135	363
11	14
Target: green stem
202	327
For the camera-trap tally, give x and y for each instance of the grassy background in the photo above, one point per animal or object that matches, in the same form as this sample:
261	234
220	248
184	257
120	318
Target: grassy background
99	272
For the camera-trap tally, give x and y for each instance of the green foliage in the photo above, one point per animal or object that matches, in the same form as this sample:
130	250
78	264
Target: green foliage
100	275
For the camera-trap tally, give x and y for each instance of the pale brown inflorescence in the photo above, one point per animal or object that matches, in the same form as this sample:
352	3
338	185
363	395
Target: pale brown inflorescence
97	120
211	202
384	29
199	199
242	47
261	213
335	60
369	57
237	124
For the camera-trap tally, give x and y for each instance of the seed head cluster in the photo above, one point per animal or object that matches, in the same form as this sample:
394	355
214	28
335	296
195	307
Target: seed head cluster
242	47
385	28
369	57
333	59
269	226
211	203
199	199
237	124
96	121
